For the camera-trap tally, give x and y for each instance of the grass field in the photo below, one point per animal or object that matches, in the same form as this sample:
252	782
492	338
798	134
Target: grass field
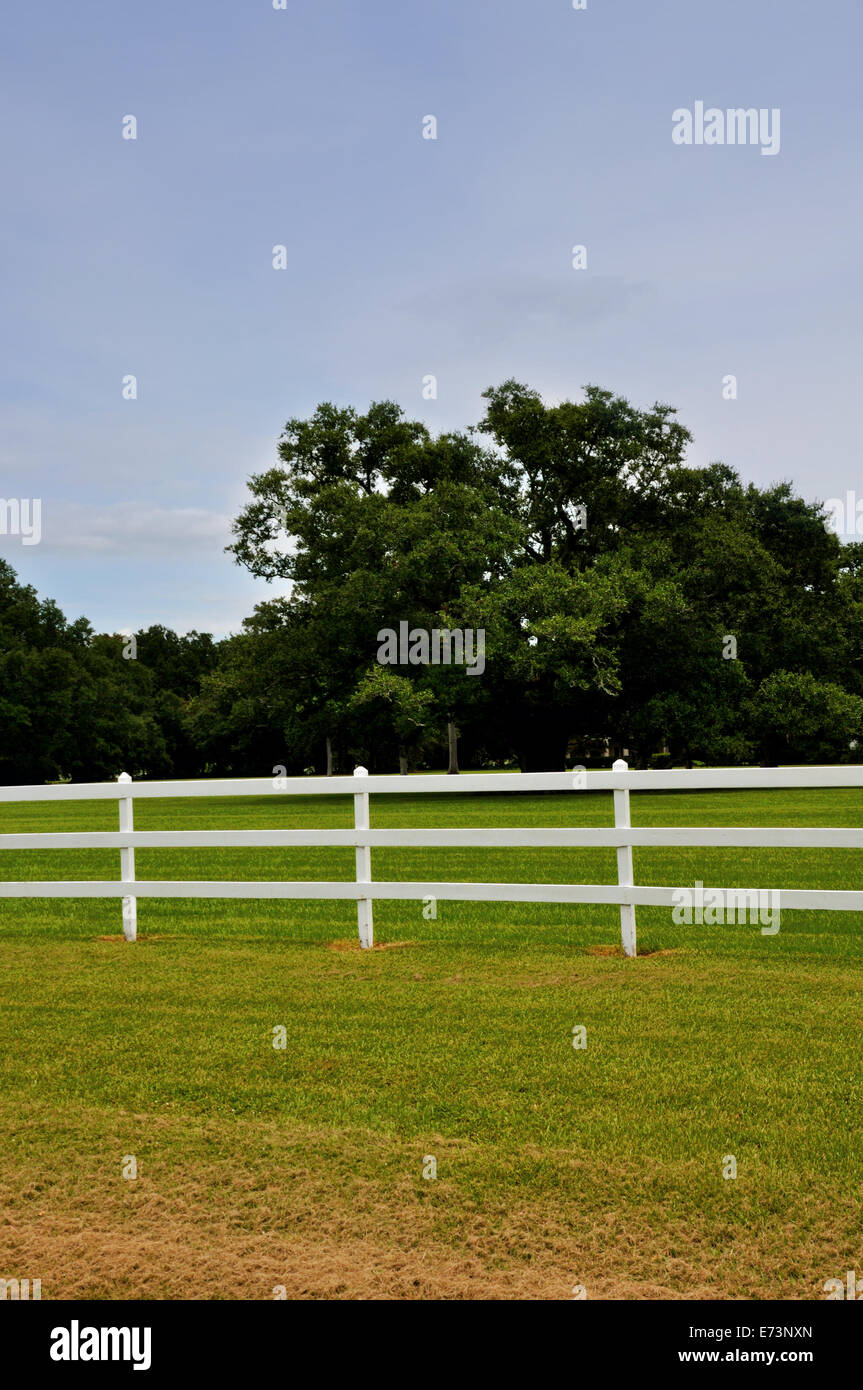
556	1167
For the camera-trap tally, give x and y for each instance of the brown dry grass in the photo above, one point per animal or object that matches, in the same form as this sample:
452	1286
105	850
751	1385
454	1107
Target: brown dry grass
379	946
235	1214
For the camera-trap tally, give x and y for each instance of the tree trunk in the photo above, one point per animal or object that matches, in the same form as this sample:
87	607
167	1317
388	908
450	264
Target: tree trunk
452	735
403	762
329	757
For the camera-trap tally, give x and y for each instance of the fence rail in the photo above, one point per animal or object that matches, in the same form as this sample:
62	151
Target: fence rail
622	837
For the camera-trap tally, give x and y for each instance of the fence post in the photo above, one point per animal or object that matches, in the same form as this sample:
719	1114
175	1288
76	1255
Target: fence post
364	864
127	865
624	862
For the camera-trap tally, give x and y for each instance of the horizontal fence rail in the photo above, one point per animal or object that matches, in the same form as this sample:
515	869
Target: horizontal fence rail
515	837
850	900
362	839
620	778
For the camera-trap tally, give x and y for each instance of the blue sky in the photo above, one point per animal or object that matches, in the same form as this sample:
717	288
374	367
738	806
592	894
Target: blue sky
406	256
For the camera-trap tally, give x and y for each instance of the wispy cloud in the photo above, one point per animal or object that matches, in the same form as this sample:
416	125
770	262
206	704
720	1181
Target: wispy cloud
512	305
133	528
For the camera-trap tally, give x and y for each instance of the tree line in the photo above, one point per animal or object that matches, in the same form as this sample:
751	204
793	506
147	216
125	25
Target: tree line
629	603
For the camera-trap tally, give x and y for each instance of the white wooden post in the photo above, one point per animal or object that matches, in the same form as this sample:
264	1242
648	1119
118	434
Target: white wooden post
127	865
624	862
364	864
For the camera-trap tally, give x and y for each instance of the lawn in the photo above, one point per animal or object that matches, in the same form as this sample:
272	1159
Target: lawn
302	1168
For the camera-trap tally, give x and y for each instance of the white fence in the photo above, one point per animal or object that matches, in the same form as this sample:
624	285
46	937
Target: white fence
622	837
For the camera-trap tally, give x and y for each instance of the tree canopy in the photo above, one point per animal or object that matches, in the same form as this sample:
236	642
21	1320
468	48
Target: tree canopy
626	601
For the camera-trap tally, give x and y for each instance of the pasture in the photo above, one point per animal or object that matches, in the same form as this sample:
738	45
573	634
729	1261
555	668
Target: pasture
452	1039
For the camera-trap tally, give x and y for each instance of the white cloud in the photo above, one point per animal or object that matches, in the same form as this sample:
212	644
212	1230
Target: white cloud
133	528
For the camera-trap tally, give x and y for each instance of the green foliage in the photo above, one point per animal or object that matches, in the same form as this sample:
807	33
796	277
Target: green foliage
627	599
802	719
392	710
607	575
73	706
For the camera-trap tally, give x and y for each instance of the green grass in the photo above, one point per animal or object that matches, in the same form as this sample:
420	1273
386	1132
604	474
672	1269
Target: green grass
555	1166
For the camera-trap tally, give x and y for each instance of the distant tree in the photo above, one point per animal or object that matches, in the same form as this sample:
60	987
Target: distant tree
800	719
176	665
628	599
375	523
69	705
392	709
